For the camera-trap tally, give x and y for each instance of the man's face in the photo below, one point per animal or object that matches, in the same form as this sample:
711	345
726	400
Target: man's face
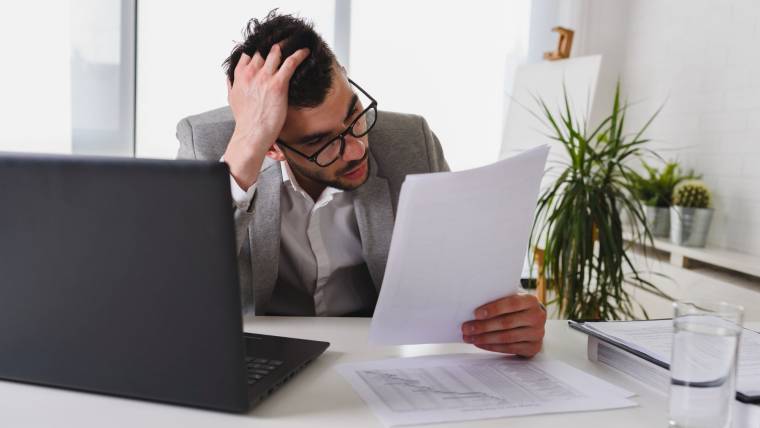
309	129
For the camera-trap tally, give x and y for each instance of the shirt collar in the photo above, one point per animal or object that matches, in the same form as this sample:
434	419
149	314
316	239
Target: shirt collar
289	178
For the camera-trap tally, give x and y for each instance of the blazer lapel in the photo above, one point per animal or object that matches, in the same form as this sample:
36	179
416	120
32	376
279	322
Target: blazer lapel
374	216
264	236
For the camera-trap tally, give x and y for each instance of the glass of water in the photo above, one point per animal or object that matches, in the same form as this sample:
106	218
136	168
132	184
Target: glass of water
703	364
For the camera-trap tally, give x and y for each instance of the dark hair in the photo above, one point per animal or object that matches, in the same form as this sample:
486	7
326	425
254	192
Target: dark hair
313	77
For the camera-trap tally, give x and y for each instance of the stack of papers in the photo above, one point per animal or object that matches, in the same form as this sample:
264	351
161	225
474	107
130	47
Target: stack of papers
464	387
653	340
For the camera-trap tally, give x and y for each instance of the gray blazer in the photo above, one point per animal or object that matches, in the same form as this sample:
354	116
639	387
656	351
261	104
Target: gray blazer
400	144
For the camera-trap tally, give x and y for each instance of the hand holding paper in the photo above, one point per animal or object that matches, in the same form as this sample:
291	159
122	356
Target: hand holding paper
511	325
459	242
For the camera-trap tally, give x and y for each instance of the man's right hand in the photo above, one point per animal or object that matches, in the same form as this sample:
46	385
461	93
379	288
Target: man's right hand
259	102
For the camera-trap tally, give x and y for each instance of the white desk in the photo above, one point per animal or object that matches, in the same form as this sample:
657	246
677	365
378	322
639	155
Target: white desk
318	396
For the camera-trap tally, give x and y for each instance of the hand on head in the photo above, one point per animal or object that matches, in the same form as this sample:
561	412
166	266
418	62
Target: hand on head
258	99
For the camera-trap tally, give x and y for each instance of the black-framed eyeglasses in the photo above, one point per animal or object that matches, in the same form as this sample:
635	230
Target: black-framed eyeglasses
333	149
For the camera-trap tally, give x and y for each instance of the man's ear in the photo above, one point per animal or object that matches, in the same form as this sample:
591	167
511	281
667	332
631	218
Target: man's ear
275	153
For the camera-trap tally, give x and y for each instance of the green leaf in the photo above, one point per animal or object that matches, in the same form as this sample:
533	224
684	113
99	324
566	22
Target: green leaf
592	191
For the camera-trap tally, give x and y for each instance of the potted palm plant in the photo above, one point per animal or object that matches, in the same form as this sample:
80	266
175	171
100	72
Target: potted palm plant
655	191
579	217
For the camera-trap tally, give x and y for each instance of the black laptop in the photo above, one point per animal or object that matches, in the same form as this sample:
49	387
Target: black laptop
119	276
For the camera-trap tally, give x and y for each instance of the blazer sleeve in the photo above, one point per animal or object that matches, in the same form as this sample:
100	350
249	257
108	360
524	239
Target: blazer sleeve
185	138
436	159
243	215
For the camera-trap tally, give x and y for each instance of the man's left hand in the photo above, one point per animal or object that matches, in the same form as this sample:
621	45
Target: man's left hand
511	325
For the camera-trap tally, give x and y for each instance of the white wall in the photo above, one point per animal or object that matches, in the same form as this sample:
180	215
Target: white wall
180	49
700	58
451	62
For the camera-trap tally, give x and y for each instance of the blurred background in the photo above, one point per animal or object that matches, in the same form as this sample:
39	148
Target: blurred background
113	77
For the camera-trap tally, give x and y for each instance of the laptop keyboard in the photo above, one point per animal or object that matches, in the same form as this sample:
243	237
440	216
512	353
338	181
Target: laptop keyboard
257	368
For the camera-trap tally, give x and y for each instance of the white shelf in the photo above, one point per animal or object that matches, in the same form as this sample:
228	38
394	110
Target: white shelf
734	260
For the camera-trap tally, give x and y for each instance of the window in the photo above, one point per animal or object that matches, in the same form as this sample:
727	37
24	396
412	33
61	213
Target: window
69	85
181	47
109	77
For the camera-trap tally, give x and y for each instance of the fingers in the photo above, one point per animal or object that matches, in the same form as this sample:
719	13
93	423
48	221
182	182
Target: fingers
241	65
273	59
291	64
256	62
512	325
523	349
244	60
507	313
502	322
251	65
503	337
514	303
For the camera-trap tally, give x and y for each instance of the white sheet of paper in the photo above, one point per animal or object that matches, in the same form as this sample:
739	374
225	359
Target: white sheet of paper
655	338
459	241
463	387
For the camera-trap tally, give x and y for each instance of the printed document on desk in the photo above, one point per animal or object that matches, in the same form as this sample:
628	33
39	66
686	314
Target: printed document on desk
466	387
459	241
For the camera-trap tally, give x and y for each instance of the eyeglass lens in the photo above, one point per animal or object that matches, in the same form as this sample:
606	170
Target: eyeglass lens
360	128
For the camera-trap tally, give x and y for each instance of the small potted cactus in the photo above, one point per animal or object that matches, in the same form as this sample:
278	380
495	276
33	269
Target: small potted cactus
691	214
655	190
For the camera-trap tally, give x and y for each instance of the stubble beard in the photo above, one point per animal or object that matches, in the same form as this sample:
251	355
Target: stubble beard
337	182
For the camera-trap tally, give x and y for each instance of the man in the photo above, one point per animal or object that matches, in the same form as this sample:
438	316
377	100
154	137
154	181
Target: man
316	172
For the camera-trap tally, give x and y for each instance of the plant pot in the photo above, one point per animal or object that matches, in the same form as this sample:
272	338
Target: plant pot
689	226
658	220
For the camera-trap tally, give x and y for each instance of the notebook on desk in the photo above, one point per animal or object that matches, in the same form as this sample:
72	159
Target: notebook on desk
651	341
119	276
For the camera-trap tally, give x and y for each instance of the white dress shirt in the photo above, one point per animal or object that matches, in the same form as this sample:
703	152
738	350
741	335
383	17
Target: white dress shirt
321	268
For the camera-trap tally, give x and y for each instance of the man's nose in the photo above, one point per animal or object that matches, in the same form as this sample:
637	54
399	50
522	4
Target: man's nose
355	148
